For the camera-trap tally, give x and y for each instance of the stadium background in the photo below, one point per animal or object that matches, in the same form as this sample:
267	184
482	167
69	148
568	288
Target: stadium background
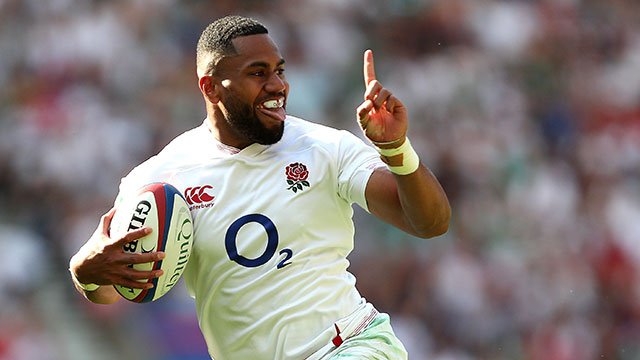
527	111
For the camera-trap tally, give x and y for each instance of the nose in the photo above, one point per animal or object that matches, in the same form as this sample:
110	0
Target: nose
276	83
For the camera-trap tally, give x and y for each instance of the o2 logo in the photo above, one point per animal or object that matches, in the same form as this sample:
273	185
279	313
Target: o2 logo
272	242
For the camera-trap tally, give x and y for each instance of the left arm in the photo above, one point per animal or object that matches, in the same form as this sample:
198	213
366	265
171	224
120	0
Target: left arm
406	195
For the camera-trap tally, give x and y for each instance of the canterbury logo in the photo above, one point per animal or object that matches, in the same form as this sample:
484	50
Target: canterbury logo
198	194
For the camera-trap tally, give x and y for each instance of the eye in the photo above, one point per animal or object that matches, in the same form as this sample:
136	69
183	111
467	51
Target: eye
280	71
257	73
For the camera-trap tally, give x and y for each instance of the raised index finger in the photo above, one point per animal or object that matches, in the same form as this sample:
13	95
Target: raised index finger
369	70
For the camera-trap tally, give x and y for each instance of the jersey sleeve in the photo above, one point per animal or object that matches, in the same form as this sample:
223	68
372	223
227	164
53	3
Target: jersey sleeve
356	163
179	153
130	184
150	171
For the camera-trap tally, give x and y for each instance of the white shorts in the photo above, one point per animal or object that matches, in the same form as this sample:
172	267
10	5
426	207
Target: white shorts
376	341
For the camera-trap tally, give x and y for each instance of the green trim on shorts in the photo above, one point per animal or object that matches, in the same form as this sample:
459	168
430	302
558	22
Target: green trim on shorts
376	342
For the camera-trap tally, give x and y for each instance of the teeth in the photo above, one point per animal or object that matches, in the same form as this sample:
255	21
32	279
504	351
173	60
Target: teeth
273	104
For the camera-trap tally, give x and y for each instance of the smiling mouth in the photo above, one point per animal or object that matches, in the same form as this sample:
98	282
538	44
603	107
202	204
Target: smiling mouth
273	108
272	104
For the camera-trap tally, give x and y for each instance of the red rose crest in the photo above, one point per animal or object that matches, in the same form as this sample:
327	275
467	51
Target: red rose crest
297	175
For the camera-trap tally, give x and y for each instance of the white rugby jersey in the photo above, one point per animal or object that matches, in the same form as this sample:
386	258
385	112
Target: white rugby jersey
273	228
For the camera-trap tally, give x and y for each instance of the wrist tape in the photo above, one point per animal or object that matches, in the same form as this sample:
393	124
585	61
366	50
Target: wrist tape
402	160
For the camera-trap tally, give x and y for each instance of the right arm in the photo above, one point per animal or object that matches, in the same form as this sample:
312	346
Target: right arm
102	261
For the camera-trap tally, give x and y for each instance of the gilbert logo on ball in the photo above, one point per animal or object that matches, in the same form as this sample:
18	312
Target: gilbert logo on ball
161	207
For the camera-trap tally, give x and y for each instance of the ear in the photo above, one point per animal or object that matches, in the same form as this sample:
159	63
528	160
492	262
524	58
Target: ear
208	88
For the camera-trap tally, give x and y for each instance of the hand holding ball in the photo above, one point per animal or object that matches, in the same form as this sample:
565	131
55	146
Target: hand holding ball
161	207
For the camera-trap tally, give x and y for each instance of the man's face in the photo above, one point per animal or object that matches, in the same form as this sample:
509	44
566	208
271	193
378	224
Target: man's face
254	90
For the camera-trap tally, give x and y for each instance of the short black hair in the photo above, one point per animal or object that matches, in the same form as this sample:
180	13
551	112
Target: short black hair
215	41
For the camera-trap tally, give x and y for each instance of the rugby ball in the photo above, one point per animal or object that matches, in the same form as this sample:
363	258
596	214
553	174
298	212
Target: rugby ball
161	207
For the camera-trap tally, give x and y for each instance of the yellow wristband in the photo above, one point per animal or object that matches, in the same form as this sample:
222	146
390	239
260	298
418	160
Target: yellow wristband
402	160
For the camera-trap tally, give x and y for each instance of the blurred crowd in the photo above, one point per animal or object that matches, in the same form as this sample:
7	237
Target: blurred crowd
527	111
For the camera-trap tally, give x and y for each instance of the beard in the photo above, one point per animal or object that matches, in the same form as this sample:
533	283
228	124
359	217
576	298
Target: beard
243	120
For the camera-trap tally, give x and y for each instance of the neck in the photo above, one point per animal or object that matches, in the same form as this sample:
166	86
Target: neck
221	129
